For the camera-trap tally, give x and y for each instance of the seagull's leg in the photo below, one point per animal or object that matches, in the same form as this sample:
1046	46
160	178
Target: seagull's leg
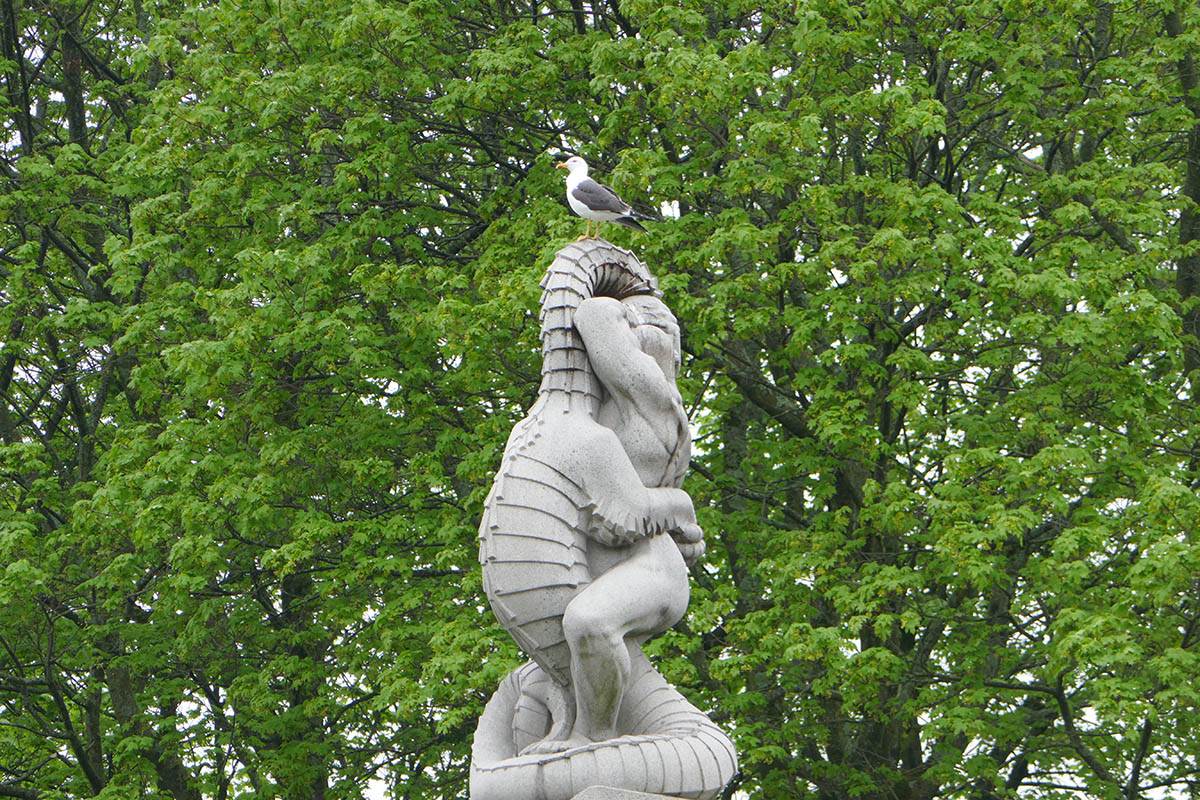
586	235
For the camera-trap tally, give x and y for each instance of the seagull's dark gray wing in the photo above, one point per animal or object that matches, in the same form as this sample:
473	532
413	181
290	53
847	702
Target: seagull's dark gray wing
599	197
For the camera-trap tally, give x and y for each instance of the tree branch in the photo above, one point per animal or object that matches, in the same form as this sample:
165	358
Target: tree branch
1082	750
1132	790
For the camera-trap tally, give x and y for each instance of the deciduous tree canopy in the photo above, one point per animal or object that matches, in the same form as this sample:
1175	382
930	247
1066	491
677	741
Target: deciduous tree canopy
268	283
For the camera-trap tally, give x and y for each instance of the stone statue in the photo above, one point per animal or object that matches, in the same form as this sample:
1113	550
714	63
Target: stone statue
584	544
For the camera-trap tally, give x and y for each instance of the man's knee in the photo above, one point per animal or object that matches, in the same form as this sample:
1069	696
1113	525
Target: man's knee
585	626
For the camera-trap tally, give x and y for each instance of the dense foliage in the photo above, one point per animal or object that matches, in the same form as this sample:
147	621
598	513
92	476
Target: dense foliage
269	281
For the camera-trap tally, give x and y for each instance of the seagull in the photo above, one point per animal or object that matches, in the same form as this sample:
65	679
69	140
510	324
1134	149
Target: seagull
595	201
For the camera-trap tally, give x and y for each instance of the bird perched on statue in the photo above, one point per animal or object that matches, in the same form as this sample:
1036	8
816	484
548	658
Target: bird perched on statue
595	202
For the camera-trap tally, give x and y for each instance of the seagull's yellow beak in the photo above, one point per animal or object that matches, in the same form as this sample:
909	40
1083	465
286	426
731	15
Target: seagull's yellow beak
562	165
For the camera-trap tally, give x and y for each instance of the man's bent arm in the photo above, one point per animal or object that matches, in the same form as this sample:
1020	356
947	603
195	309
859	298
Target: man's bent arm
617	357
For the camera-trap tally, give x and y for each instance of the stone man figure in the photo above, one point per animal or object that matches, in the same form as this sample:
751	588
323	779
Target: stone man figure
641	588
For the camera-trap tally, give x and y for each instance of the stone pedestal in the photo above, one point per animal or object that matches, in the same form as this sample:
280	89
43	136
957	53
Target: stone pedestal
609	793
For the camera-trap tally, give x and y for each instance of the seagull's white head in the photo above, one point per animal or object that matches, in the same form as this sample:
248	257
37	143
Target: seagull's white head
574	166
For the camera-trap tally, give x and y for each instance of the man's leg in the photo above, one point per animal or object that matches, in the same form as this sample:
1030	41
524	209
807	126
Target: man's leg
640	596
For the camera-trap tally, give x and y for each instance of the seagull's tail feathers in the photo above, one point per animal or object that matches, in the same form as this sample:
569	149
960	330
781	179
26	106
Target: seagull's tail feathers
632	222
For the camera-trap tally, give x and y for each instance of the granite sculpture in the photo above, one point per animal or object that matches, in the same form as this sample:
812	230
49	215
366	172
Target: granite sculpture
584	545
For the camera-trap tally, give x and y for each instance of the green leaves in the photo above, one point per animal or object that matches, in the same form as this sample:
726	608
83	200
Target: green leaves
269	300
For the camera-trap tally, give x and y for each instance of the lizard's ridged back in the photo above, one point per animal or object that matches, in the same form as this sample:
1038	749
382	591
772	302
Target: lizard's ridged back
534	556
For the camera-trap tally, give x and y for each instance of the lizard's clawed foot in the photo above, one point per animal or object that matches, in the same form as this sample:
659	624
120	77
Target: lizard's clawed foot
549	746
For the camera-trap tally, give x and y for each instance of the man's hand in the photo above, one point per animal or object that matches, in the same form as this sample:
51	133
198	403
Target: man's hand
690	541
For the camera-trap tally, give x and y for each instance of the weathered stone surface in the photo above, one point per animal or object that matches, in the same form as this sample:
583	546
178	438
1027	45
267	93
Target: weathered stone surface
584	543
611	793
